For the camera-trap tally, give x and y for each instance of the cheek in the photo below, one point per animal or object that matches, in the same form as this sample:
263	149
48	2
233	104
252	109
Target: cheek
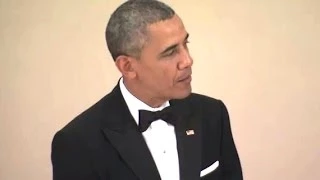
144	72
169	76
161	75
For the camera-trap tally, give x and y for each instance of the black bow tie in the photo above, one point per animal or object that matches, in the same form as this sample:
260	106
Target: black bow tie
147	117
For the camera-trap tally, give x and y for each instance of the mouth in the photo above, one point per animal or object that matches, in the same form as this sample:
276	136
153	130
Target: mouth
186	79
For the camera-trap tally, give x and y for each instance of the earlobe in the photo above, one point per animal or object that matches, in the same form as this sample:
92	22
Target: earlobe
124	65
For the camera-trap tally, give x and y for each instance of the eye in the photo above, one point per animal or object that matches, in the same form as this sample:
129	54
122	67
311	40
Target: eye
186	44
172	52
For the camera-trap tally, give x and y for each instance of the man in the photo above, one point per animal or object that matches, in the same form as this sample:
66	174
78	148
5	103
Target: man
114	139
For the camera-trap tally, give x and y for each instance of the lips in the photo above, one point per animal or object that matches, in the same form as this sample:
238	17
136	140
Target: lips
185	78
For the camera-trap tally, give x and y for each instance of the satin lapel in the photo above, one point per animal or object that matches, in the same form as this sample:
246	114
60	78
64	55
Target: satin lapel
121	130
134	151
188	132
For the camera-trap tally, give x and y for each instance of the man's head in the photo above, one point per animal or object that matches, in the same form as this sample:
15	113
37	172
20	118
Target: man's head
148	43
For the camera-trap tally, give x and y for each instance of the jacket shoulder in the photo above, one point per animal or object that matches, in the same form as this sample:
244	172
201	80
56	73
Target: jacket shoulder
90	118
207	104
203	99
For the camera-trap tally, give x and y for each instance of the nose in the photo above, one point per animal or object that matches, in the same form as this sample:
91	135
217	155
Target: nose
186	60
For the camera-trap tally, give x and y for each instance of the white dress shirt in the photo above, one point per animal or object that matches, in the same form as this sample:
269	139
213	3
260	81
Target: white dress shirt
160	137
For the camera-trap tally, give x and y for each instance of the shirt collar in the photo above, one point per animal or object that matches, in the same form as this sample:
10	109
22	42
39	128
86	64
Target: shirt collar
134	104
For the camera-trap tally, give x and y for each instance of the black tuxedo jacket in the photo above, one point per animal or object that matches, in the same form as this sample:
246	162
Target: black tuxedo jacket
103	143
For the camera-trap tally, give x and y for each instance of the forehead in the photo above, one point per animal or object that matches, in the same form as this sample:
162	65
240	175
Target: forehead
167	32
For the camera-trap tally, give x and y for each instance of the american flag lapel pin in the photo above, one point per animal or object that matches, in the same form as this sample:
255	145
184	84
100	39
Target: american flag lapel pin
190	132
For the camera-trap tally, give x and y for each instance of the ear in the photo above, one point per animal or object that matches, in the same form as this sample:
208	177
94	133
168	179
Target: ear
125	66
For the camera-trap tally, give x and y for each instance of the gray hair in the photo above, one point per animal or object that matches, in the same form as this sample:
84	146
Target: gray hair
126	31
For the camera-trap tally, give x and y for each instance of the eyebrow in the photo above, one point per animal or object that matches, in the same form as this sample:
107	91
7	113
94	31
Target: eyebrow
173	46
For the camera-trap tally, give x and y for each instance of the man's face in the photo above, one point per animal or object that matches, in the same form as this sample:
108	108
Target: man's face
164	67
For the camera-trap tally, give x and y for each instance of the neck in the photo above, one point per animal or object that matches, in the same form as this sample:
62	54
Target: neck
143	95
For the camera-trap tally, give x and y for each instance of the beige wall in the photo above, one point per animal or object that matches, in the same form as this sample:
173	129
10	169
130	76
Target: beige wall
261	57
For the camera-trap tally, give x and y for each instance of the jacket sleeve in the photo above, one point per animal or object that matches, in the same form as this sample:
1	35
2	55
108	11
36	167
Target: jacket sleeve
230	162
71	158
